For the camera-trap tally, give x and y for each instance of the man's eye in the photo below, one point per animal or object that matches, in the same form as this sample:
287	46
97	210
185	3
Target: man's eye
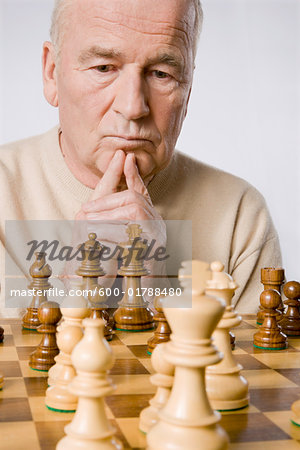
160	74
104	68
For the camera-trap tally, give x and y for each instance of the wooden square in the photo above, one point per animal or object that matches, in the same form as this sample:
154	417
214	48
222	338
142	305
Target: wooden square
140	351
25	352
274	399
36	386
251	428
10	369
14	410
128	367
127	405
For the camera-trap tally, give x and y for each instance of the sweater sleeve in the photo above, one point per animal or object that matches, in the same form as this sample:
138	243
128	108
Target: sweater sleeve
255	245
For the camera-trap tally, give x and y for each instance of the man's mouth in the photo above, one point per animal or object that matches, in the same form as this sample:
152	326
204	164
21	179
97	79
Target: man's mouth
131	142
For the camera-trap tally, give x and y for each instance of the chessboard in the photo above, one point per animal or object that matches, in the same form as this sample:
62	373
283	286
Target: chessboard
273	376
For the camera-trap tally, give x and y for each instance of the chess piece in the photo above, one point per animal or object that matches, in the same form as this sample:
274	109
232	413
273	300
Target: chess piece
271	278
133	313
163	379
92	358
58	396
226	388
1	382
1	334
187	420
290	323
40	273
90	270
162	331
43	357
269	334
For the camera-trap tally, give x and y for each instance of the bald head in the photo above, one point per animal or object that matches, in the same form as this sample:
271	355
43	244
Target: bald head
61	9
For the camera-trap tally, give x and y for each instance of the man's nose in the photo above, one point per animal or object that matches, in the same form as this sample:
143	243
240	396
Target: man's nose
131	96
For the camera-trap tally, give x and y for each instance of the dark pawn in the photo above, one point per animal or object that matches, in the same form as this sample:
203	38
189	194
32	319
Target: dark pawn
290	323
40	273
271	278
43	357
269	334
162	332
1	334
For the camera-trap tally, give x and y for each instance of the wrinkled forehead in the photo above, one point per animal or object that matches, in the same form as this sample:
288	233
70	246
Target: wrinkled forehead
173	18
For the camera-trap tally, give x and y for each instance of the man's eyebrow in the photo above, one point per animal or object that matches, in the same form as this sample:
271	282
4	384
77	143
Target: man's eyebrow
166	58
97	52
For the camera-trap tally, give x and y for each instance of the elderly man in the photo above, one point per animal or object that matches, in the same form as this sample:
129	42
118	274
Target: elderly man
121	74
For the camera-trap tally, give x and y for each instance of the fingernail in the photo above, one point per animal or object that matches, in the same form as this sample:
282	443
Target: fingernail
118	154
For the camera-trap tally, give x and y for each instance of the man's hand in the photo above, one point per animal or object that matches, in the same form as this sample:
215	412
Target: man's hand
109	211
131	205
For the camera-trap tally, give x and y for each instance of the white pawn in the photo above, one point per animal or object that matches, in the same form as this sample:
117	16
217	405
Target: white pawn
54	371
163	379
187	421
92	358
58	397
226	388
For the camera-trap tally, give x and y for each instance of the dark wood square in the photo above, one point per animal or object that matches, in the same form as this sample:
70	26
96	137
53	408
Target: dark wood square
140	351
291	374
14	410
128	367
274	399
36	386
249	362
127	405
10	369
251	427
25	352
49	433
8	341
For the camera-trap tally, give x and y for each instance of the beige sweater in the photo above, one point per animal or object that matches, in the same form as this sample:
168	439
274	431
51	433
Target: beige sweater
230	221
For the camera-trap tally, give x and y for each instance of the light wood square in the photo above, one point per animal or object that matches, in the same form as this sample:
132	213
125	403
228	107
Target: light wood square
122	352
13	388
8	354
279	360
18	436
132	338
130	429
267	378
132	384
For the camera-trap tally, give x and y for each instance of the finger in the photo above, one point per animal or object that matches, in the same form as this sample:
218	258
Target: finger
113	201
112	176
128	213
133	178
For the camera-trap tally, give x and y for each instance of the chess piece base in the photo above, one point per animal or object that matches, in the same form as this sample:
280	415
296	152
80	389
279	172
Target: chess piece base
69	443
186	438
268	347
227	392
133	319
42	360
58	398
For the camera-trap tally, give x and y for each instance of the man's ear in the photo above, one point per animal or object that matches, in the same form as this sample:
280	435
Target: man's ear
49	74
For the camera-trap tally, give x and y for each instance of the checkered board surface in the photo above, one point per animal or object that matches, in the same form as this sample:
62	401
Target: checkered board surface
274	379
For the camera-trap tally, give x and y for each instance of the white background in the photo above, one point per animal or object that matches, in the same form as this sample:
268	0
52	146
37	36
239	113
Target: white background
244	111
